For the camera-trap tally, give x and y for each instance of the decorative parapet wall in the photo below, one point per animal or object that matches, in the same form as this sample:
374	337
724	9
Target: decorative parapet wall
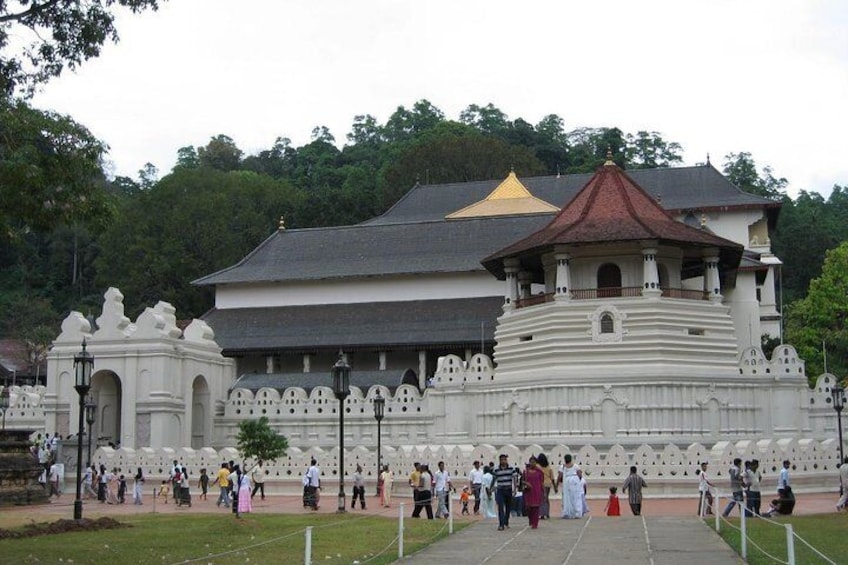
668	469
26	408
453	372
311	418
822	414
784	362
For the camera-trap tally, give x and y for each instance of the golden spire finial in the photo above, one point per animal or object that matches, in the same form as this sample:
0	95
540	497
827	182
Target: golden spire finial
282	224
609	161
703	220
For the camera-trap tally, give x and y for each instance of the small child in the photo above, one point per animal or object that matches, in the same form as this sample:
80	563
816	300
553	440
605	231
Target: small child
613	508
203	484
164	492
122	489
463	498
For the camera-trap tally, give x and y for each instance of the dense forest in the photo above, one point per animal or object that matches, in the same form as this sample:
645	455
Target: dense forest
68	231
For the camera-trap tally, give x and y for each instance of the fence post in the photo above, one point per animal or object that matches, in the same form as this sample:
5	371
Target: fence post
744	533
307	550
716	512
450	512
790	545
400	531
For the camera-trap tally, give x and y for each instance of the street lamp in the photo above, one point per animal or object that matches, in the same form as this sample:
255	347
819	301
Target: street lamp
379	412
4	404
90	417
341	387
838	395
83	364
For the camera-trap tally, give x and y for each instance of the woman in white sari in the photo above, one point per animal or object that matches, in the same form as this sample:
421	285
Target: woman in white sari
487	494
572	490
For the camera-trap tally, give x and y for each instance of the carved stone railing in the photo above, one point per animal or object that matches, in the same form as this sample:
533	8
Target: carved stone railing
611	292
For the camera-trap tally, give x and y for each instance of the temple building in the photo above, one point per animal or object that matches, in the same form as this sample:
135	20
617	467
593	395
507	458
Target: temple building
618	311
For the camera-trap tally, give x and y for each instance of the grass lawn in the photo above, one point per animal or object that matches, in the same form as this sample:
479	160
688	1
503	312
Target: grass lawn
218	539
823	531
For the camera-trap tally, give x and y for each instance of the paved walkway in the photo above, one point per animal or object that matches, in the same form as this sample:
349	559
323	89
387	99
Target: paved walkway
594	540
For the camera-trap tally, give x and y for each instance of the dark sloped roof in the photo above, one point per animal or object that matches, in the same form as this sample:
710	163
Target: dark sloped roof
682	188
307	381
363	251
455	322
612	208
413	237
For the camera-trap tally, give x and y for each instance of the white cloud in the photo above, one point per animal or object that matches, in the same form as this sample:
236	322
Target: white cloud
767	77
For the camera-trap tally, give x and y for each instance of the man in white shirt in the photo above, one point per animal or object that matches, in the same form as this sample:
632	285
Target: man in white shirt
442	486
475	477
783	487
258	476
313	475
843	485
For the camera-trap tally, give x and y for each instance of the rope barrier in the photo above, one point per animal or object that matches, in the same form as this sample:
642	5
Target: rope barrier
816	551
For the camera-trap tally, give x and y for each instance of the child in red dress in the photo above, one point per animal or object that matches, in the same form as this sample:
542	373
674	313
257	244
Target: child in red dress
613	508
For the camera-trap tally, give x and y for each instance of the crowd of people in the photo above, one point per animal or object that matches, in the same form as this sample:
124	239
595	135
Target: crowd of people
499	491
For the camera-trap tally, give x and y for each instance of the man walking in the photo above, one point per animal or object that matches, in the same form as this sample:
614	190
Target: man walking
442	483
633	486
475	478
414	482
735	474
313	476
258	476
223	480
504	489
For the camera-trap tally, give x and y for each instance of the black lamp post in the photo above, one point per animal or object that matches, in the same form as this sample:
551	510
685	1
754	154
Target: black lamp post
90	417
341	387
838	395
83	365
4	404
379	412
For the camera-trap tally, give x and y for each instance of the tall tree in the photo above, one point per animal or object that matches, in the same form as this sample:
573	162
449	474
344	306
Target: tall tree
741	170
648	150
50	171
39	38
220	153
818	322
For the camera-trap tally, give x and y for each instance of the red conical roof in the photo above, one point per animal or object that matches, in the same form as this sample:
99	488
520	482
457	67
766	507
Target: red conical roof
612	208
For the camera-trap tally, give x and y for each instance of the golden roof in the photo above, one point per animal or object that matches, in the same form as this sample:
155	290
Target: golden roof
508	199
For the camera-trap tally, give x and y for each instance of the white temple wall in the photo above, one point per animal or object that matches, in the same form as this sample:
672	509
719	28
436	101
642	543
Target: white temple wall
561	341
383	289
668	468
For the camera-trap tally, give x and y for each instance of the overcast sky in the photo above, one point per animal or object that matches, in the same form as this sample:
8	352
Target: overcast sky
769	77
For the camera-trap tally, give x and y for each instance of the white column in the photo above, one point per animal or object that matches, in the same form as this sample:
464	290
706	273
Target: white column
382	361
422	369
563	276
511	294
712	280
307	363
650	274
525	281
269	364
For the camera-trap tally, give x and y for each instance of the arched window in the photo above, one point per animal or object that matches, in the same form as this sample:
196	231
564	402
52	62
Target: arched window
609	280
607	323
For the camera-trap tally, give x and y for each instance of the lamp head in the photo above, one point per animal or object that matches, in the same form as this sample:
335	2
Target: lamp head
83	365
379	406
837	393
341	377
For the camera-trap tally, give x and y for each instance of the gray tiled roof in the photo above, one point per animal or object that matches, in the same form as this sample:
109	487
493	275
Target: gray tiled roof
414	238
680	188
307	381
390	249
455	322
